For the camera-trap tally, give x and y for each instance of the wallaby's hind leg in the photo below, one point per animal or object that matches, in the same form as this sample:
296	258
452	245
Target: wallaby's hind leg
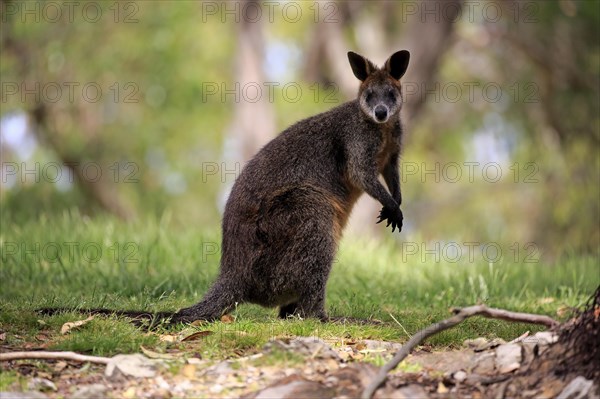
297	229
220	299
312	257
309	309
312	300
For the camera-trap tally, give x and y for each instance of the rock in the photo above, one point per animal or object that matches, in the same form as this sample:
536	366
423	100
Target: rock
579	388
459	376
545	337
484	363
41	384
294	387
475	343
216	388
350	381
371	344
92	391
23	395
221	368
408	392
530	352
135	365
312	347
481	344
508	358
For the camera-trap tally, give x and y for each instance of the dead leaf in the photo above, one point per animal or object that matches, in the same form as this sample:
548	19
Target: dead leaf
2	336
130	393
74	324
345	356
168	338
41	384
60	366
188	371
562	310
442	388
157	355
41	337
227	318
196	335
44	375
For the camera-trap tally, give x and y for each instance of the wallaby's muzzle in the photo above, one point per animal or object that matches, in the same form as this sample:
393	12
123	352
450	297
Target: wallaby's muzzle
381	113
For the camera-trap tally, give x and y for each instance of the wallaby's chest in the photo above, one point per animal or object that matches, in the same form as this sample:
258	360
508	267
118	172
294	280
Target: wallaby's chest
388	146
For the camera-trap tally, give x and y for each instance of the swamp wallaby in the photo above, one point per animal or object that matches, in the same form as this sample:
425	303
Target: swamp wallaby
287	209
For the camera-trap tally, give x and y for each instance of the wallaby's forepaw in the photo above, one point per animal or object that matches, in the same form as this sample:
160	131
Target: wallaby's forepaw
393	217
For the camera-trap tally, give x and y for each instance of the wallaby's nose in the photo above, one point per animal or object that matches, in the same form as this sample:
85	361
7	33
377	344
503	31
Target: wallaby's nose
380	113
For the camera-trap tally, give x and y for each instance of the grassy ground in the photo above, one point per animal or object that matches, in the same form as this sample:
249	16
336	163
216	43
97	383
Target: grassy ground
73	261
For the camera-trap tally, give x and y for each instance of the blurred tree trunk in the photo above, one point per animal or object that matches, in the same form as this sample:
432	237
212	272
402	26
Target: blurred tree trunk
44	115
253	123
101	192
552	48
428	41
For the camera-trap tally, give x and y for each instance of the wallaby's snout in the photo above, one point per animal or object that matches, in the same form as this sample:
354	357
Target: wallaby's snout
381	113
380	93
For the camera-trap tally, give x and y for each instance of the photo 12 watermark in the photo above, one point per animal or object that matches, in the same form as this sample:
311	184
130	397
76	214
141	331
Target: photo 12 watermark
436	92
290	12
69	252
68	172
69	92
69	11
331	12
468	252
469	172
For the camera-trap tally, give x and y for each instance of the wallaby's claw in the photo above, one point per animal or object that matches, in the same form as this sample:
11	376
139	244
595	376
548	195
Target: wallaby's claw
393	217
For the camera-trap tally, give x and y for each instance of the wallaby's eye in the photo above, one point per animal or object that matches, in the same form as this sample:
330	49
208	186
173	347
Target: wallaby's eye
391	95
368	95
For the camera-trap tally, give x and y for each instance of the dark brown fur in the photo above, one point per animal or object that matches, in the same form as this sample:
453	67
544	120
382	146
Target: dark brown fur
286	212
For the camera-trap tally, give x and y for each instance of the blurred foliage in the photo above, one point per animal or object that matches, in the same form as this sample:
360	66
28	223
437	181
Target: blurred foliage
157	135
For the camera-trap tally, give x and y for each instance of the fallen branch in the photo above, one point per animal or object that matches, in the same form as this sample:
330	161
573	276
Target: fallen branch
5	357
460	316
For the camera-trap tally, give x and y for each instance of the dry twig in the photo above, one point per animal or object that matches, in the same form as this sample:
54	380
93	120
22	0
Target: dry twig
4	357
460	316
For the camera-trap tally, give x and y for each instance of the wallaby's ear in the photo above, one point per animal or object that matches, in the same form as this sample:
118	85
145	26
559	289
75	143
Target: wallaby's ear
361	67
396	65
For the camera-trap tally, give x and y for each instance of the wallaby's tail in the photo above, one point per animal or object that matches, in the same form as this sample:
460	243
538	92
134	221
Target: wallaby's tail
138	317
219	299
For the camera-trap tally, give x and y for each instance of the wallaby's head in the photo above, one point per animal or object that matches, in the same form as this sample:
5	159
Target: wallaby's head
380	92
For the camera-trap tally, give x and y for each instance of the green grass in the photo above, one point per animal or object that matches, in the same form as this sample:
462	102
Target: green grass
150	265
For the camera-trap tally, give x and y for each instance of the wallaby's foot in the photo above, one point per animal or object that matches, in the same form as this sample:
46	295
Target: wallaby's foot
393	216
293	309
288	310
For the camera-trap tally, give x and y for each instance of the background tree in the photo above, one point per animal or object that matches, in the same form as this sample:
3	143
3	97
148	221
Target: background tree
507	85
